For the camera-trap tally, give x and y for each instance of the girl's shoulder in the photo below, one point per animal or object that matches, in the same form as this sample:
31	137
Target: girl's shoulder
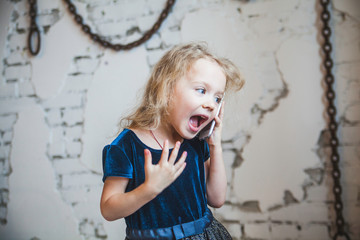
125	136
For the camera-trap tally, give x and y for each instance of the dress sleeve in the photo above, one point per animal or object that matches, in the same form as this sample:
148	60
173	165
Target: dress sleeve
116	162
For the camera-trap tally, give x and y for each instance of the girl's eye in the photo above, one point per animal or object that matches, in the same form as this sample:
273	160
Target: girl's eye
201	90
217	99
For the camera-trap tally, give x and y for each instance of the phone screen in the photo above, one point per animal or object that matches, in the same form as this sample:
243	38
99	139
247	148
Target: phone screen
207	131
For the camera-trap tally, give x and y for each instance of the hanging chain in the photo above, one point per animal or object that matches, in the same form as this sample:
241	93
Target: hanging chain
117	47
332	125
34	33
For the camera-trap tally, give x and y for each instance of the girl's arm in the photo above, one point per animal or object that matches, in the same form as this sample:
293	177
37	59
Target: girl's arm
216	180
115	203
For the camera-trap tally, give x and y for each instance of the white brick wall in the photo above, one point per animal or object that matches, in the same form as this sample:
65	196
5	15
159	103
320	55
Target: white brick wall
267	27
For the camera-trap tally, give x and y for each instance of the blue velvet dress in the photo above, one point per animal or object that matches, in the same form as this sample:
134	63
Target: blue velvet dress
183	201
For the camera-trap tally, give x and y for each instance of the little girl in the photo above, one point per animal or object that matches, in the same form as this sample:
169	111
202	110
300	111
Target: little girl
158	174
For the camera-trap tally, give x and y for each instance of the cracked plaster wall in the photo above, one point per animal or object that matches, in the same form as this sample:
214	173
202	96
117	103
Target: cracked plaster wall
57	110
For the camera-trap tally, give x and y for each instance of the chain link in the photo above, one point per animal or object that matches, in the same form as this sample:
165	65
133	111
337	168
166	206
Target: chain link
34	32
117	47
332	125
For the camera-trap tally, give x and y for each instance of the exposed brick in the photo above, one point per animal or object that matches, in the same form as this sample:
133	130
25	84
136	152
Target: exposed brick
78	83
73	116
4	167
53	117
284	231
350	136
257	230
7	122
4	182
17	72
314	231
7	137
73	148
73	133
8	90
86	64
26	89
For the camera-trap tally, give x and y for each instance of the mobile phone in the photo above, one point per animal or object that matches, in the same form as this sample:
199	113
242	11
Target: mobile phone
208	130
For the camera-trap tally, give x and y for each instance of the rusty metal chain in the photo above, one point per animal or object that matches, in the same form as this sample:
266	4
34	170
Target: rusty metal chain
332	125
34	32
117	47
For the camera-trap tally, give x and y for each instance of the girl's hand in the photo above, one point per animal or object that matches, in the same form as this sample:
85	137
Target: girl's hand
160	176
215	138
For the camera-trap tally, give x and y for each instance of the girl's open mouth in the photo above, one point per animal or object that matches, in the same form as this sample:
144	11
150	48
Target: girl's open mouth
196	121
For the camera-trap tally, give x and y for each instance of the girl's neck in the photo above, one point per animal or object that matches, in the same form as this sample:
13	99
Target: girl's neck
166	132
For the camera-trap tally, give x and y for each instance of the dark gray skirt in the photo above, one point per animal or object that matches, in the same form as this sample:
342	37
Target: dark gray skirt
216	231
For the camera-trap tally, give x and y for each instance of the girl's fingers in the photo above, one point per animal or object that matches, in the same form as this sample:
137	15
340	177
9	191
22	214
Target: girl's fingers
165	152
174	153
181	161
148	159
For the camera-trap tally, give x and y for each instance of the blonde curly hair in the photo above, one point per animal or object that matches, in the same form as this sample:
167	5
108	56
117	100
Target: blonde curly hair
171	67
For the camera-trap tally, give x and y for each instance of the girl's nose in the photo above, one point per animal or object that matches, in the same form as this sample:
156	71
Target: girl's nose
210	105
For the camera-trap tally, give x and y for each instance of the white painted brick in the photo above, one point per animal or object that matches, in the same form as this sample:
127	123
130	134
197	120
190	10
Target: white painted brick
53	117
350	135
78	83
233	213
117	28
5	167
26	89
57	149
352	113
7	137
258	230
284	231
86	65
16	72
4	182
64	100
16	57
74	148
3	212
314	231
7	121
57	142
73	116
304	212
16	42
80	180
72	133
23	23
4	196
46	4
57	134
48	19
8	90
68	165
171	38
